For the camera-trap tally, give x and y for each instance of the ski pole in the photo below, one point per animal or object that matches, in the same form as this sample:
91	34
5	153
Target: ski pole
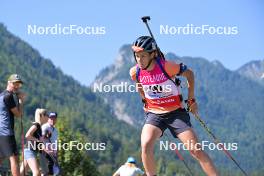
145	20
180	156
17	100
216	140
22	143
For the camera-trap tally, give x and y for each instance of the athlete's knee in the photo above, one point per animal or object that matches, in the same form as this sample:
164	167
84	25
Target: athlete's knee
147	146
199	154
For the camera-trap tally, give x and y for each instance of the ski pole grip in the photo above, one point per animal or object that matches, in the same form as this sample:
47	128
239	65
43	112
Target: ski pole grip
145	18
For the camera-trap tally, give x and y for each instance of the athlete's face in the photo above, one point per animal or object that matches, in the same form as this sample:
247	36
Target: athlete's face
143	58
14	86
52	121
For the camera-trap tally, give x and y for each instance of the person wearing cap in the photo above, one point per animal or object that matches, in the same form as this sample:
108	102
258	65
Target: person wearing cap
129	169
50	134
11	105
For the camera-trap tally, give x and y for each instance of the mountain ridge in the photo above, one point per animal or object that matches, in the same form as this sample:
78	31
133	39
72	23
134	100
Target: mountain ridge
253	70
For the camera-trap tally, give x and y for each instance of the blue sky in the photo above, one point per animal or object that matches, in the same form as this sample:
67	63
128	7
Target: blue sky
83	56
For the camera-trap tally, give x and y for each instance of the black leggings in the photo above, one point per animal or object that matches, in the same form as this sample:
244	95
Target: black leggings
50	164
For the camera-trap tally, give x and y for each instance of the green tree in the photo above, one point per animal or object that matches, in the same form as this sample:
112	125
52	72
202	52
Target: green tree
74	162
